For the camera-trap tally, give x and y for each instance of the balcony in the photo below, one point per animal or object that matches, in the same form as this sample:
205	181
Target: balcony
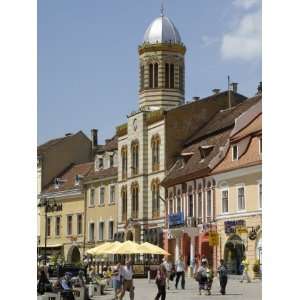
191	222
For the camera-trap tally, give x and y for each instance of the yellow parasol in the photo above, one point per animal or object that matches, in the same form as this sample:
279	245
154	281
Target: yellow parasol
127	247
99	248
148	248
108	249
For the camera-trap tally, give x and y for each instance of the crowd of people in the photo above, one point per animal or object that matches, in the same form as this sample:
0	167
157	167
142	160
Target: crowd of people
120	277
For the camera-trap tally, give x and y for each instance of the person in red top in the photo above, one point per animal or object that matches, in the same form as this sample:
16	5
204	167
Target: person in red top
160	281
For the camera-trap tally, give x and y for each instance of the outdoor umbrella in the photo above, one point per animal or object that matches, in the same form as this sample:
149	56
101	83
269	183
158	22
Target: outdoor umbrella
107	249
127	247
99	248
148	248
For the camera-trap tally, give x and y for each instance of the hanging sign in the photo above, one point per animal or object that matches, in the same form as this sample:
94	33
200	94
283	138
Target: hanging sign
213	238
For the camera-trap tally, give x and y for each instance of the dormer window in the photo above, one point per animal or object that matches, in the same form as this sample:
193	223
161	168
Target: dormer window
77	179
235	152
111	160
100	163
58	182
205	150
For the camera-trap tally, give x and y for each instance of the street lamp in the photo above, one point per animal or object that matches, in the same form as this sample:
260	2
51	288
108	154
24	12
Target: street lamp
45	202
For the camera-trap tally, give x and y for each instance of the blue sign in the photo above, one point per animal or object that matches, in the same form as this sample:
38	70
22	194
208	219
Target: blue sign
176	219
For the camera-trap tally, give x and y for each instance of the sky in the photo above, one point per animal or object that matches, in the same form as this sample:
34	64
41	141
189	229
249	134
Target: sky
88	59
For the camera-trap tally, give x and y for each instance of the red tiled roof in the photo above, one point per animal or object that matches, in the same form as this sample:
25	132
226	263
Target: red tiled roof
102	173
69	175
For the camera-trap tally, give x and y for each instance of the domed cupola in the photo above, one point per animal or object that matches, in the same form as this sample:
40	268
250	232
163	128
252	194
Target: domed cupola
161	66
162	30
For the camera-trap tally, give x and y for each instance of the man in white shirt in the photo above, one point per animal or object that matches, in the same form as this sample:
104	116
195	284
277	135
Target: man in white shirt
168	267
127	279
180	268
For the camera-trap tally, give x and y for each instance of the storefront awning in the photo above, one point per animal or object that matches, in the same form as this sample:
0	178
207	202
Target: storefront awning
51	246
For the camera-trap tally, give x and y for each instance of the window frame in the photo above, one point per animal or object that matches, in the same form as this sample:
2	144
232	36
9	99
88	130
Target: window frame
48	225
79	232
69	232
239	186
209	192
101	188
57	226
224	189
93	238
92	197
112	200
110	233
235	146
103	230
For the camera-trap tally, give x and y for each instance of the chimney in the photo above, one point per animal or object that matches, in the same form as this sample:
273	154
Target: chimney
195	98
94	137
234	86
259	89
216	91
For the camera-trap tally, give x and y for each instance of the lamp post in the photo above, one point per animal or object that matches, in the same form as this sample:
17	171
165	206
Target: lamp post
45	202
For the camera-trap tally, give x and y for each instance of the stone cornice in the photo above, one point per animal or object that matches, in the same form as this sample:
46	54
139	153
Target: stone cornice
178	48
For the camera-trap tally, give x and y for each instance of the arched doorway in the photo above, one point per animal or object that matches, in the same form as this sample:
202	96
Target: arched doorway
233	254
73	256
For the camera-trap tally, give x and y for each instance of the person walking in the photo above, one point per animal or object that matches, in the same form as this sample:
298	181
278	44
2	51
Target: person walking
116	280
223	276
44	285
245	264
201	276
160	281
127	280
210	278
180	272
168	266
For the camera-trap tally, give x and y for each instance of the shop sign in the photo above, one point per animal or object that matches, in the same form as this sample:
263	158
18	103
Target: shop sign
176	219
231	226
213	238
241	230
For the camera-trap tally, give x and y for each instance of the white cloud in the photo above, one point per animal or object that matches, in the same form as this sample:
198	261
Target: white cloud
245	4
207	41
245	41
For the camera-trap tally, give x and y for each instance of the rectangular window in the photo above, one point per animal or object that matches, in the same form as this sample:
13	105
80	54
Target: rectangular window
208	203
79	224
151	76
156	75
241	198
100	163
102	193
111	230
235	155
172	76
101	231
48	226
191	206
225	201
92	197
260	145
69	225
111	161
112	194
92	232
260	195
167	76
200	206
57	226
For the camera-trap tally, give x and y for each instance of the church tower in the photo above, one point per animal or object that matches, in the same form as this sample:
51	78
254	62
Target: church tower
161	59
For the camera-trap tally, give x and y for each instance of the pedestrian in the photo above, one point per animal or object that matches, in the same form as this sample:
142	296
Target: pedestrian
44	285
210	278
168	266
245	264
180	268
160	281
127	280
67	293
201	276
116	280
223	276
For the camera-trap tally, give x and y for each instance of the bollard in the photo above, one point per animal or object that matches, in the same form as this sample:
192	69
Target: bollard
149	278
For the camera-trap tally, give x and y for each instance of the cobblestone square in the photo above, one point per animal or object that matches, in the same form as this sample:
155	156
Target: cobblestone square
235	291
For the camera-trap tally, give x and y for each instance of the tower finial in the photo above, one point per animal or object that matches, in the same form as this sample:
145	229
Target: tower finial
162	8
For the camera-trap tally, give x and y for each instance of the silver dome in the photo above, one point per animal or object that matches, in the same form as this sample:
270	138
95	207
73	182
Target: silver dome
162	30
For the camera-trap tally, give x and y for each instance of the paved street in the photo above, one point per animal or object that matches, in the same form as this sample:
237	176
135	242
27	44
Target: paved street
235	291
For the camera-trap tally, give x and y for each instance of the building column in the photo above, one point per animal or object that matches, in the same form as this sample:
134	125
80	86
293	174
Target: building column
192	250
177	248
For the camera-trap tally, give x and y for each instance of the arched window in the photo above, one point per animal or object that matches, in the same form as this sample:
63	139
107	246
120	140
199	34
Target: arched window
155	198
134	200
181	78
155	75
135	157
169	76
142	77
124	203
172	76
191	202
178	199
124	162
171	203
151	76
155	144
